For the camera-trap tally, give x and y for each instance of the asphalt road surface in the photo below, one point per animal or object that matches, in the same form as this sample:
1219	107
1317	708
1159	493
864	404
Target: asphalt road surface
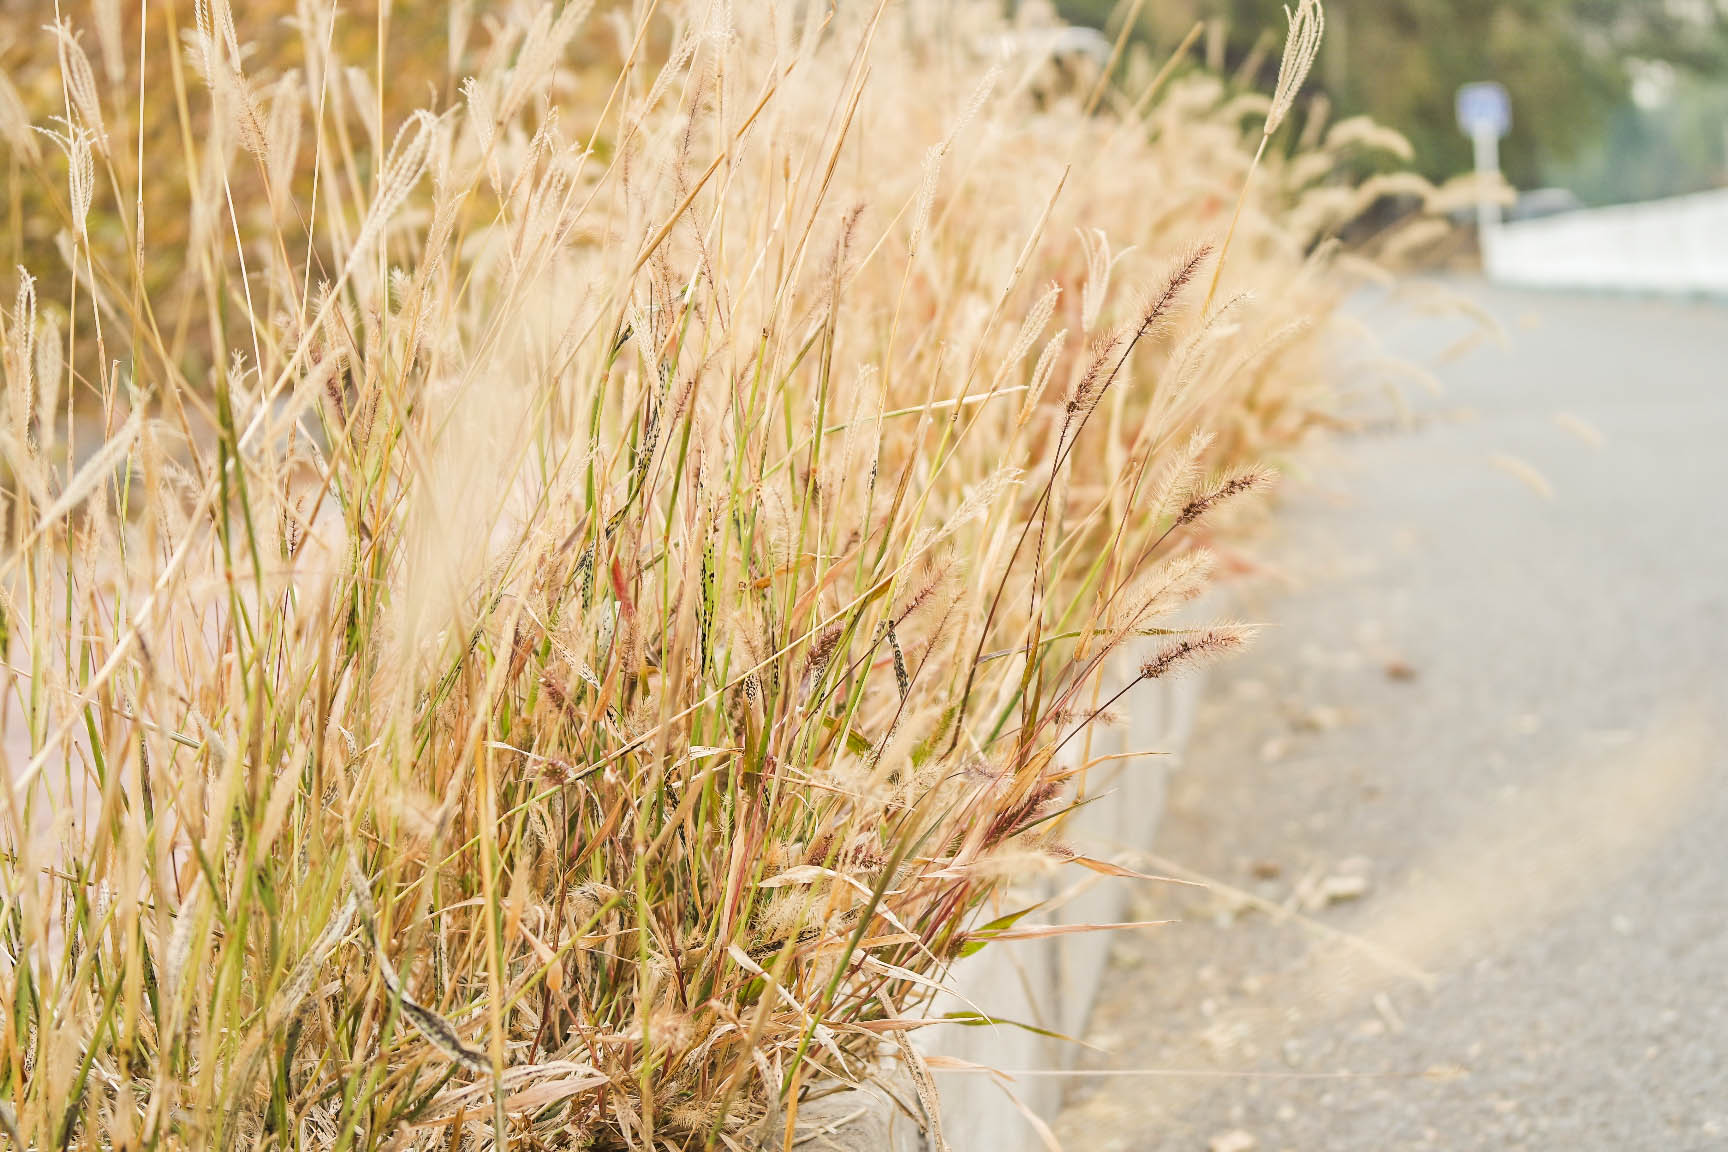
1470	790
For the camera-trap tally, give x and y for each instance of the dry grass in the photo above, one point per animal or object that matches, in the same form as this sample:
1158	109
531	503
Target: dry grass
539	618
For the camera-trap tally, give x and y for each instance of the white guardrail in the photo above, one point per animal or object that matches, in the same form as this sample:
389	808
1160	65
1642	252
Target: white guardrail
1671	247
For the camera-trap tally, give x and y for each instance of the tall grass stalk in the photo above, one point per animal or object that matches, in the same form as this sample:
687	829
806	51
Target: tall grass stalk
1301	49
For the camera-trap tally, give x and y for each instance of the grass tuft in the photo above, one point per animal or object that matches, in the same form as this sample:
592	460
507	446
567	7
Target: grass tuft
546	616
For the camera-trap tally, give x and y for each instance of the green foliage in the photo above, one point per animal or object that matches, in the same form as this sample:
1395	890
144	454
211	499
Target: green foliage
1566	63
1643	153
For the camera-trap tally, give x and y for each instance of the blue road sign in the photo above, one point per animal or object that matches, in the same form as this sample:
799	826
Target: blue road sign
1484	109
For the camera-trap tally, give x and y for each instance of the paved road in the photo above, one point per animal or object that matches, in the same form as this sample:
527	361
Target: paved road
1494	726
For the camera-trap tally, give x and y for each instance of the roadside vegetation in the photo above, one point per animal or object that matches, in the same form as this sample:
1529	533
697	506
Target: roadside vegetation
556	614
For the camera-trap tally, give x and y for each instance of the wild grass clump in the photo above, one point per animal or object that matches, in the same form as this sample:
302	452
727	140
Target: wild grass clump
538	618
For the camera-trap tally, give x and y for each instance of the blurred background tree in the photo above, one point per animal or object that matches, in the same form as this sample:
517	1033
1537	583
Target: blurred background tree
1615	99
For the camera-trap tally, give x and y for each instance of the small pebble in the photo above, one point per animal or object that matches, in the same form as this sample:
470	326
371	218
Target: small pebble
1338	888
1389	1013
1347	881
1323	718
1235	1140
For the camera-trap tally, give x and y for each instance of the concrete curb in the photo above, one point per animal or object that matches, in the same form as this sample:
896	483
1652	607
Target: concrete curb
1677	247
1050	984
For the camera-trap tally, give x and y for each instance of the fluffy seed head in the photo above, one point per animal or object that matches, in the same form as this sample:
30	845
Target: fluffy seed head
80	83
1186	652
1251	480
1301	49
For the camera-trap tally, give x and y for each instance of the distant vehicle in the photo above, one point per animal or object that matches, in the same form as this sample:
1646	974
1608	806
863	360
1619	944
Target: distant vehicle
1532	205
1058	61
1055	44
1540	202
1072	43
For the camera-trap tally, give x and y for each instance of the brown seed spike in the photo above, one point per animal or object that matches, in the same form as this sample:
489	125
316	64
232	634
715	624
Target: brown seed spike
1213	641
1226	490
1182	273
